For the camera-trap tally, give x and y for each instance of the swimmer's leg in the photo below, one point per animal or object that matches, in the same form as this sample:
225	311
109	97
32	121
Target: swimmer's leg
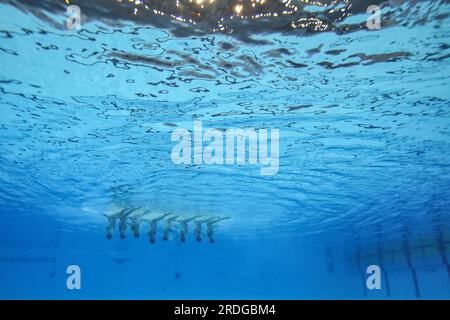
168	227
198	231
135	229
183	236
108	233
210	233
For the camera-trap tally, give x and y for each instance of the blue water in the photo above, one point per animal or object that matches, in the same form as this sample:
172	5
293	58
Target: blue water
86	118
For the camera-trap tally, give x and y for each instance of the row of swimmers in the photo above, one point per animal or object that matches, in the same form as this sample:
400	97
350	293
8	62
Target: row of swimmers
134	217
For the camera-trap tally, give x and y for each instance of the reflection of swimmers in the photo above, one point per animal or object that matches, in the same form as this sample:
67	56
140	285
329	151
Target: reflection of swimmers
135	220
209	227
153	221
168	227
184	227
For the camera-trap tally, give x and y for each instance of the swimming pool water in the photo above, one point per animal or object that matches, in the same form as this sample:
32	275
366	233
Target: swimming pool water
86	118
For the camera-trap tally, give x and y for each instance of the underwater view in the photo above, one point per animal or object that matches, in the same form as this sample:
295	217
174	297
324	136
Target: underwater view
225	149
